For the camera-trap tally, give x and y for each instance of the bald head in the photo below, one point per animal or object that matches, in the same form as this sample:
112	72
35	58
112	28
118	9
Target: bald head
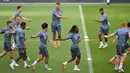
17	20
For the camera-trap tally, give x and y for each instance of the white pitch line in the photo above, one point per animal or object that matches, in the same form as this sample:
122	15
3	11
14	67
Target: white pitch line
89	58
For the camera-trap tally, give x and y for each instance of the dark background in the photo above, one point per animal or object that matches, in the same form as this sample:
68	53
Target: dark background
62	1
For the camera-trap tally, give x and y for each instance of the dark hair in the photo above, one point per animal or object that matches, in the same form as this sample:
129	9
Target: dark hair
9	22
72	30
57	3
101	9
18	7
128	24
22	23
44	25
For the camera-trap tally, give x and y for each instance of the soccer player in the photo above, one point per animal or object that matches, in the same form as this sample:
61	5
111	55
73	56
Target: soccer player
112	60
8	31
43	35
17	14
16	25
120	47
56	23
104	28
75	36
20	41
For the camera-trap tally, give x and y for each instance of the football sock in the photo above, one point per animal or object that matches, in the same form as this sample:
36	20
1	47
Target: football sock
34	63
65	62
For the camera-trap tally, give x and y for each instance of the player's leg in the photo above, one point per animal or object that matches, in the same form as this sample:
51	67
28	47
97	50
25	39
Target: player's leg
24	58
45	52
117	57
54	35
112	60
37	60
77	63
27	57
106	39
123	54
73	56
18	58
6	46
68	61
41	52
3	53
20	55
127	46
9	49
122	62
78	54
46	63
117	62
13	61
59	35
100	38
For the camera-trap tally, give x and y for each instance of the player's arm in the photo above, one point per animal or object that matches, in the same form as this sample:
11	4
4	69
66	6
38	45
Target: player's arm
49	40
27	28
37	35
25	19
62	39
2	31
111	35
12	18
80	39
34	36
100	21
12	32
62	17
113	41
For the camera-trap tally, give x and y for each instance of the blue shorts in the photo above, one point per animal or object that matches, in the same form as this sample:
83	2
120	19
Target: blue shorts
75	52
43	51
7	46
127	46
22	51
120	49
56	29
104	30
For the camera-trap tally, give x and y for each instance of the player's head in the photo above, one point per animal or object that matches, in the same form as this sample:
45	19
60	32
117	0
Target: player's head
19	8
101	10
128	24
74	29
57	5
9	23
44	26
23	25
123	25
17	21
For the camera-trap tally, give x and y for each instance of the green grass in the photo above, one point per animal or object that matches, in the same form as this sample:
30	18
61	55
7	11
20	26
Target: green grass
117	13
40	13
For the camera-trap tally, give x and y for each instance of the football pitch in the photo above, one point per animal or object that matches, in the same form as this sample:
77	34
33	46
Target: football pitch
39	13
